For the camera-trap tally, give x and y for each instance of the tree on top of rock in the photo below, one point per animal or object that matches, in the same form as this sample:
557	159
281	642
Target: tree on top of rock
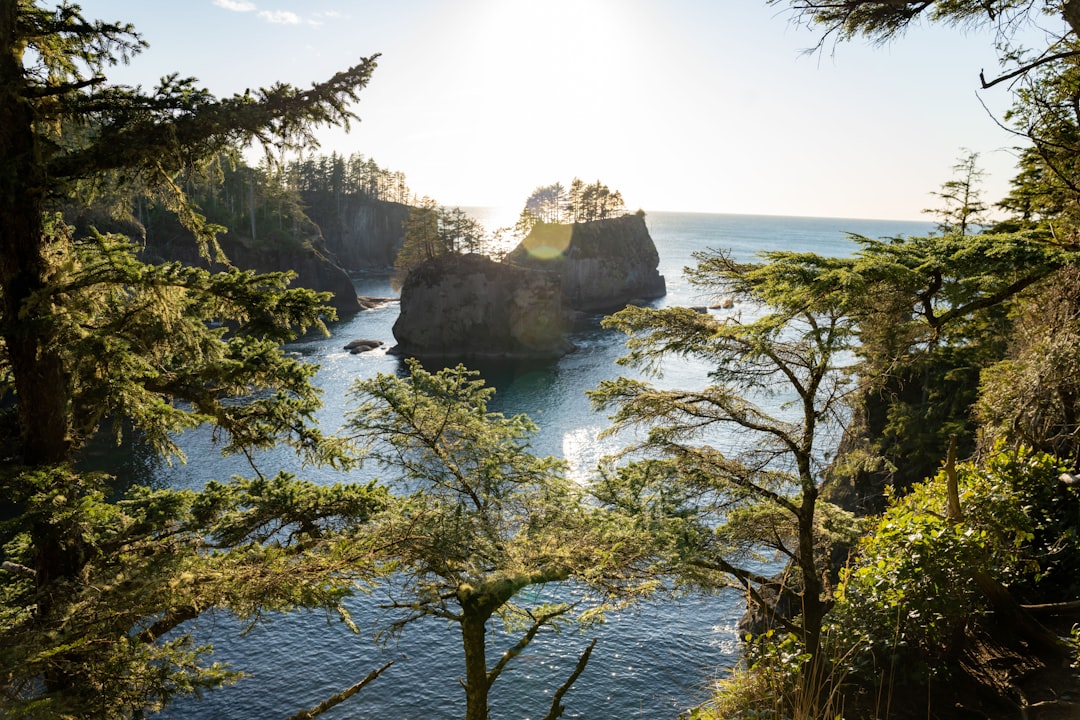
431	231
548	204
593	201
555	204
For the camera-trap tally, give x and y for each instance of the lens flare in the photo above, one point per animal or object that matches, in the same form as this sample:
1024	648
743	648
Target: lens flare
548	242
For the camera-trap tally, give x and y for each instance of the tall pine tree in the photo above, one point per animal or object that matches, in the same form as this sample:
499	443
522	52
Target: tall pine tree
95	587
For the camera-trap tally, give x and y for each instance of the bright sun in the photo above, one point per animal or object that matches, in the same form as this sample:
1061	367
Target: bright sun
543	82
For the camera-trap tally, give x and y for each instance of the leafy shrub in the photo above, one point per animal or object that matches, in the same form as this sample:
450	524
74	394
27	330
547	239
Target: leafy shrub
911	591
770	684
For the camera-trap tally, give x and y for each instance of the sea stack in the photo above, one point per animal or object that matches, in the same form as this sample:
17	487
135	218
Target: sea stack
602	265
471	307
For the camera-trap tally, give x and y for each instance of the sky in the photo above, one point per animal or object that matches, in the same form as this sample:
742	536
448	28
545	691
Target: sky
681	105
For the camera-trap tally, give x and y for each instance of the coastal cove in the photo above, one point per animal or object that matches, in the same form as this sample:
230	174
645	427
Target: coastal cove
650	662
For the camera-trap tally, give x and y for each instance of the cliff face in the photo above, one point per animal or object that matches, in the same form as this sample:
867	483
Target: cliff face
469	306
359	234
602	265
344	233
168	241
313	270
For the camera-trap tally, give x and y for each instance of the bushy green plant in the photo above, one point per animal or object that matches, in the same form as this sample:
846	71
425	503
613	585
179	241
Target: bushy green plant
918	579
771	684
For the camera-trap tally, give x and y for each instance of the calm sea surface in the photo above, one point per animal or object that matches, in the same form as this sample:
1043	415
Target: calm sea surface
651	662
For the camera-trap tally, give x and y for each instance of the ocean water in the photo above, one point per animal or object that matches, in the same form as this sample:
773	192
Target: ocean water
654	661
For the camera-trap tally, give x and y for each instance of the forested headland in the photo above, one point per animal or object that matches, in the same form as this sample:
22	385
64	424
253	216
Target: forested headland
921	489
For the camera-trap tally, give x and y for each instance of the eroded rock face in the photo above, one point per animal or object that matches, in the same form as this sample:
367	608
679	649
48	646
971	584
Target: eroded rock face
602	265
313	270
360	234
469	306
166	240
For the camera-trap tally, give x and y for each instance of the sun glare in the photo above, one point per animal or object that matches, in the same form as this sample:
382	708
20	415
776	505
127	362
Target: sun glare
544	79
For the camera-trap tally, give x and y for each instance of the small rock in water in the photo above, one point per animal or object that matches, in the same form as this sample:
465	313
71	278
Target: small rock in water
367	303
359	346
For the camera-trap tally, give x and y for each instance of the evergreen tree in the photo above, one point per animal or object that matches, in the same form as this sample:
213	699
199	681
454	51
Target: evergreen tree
431	231
482	519
580	203
898	332
961	197
1031	397
760	487
96	586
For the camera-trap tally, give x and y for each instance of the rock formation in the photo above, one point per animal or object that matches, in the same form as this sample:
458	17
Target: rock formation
313	270
469	306
602	265
360	234
362	346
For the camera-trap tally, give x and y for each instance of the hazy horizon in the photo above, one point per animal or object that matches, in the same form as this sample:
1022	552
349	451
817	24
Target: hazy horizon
687	105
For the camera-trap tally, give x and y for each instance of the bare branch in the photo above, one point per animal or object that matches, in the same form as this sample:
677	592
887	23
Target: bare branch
1024	69
340	697
557	707
513	652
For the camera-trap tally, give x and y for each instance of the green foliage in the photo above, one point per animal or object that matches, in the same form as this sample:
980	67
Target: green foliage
1045	193
336	176
1036	44
962	205
96	588
1031	397
99	630
931	314
881	20
149	346
481	518
431	231
770	685
487	509
917	582
775	389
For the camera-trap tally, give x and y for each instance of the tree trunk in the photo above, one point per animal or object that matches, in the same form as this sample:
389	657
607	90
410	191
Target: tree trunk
813	605
39	373
473	636
41	381
1071	12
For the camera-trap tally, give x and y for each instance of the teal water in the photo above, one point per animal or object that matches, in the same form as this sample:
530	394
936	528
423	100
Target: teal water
651	662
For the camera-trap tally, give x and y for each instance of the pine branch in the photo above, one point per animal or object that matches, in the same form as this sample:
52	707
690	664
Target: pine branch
340	697
513	652
557	708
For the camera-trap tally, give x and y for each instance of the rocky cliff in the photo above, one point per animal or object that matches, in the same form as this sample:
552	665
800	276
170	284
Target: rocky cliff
469	306
312	267
602	265
340	234
360	234
168	241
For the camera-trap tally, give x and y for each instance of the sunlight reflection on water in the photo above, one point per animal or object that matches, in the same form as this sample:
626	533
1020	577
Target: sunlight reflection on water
651	662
